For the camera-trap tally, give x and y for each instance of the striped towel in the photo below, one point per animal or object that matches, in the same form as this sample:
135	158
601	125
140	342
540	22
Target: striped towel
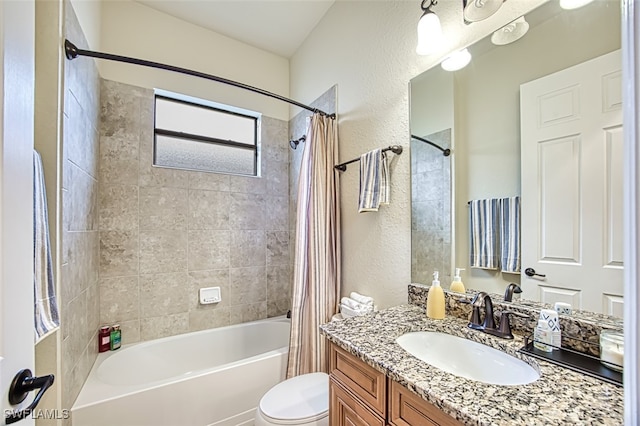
374	181
510	234
483	220
44	294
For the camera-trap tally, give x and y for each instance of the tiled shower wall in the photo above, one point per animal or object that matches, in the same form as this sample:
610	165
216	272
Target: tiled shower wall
431	210
78	281
166	233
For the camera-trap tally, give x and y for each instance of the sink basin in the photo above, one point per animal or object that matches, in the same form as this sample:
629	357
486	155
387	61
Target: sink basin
468	359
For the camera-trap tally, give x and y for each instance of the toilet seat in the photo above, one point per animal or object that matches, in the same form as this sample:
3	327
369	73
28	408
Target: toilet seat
299	400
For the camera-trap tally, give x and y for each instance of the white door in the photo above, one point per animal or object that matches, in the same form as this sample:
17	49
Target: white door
16	169
572	173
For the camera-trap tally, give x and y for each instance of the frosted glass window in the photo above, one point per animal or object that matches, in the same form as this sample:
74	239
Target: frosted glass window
201	137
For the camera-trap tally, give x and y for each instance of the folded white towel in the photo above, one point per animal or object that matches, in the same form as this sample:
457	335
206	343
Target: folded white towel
365	300
356	306
348	312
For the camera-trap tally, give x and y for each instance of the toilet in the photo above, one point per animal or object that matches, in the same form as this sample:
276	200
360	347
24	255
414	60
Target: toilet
300	401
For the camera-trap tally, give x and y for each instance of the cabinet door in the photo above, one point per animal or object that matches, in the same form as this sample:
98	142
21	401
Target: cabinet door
408	409
367	383
345	410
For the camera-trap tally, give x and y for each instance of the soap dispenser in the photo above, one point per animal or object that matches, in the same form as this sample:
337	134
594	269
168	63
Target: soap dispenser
457	285
435	299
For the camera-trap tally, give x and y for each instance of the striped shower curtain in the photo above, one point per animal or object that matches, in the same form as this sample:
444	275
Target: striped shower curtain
316	282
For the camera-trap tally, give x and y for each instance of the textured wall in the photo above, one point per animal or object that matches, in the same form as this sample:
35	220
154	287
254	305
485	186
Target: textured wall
368	49
166	233
132	29
79	296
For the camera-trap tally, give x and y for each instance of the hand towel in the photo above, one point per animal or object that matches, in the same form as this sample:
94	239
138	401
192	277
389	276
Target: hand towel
46	305
374	181
483	222
510	235
365	300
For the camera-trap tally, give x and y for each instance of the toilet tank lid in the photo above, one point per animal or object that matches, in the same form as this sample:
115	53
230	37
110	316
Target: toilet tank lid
301	397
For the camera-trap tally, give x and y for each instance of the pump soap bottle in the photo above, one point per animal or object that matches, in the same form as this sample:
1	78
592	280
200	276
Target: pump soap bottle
435	299
457	285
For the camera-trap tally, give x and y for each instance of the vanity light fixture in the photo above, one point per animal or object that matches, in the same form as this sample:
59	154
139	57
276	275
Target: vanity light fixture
510	32
477	10
456	61
429	30
573	4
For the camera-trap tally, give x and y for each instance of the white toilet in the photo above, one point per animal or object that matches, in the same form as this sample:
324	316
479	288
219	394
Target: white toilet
300	401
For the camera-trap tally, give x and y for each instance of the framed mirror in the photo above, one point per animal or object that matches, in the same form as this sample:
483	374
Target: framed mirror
476	110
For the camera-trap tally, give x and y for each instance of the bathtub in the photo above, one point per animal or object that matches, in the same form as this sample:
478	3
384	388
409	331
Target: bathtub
211	377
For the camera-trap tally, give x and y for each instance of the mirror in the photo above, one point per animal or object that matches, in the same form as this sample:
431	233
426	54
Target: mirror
476	111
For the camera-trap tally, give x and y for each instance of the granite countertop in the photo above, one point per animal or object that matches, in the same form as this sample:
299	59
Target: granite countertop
559	397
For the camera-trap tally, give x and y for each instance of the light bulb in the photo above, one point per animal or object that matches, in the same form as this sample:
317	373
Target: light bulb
456	61
573	4
429	33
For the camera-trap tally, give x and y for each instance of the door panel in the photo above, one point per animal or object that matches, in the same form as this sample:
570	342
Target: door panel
572	177
16	202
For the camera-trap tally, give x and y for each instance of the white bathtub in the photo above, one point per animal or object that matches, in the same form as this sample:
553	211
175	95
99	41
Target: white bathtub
211	377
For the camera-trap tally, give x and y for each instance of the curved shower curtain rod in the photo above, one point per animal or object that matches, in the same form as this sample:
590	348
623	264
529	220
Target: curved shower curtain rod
72	51
446	152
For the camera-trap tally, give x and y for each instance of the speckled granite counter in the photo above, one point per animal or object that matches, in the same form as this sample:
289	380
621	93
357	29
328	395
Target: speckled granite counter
559	397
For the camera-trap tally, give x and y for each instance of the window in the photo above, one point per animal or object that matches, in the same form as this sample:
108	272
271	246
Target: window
194	134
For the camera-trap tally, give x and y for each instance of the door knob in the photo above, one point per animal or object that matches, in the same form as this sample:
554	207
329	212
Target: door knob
530	272
21	385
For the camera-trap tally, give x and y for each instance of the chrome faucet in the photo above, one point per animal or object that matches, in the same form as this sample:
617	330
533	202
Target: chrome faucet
511	288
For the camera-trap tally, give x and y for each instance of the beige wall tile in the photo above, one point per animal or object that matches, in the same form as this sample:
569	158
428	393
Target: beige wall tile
157	327
278	285
209	181
248	248
246	313
247	185
118	207
277	213
209	209
247	211
119	299
277	177
203	320
82	210
118	253
247	285
208	250
277	248
120	110
119	160
163	251
163	208
130	331
164	294
82	266
278	307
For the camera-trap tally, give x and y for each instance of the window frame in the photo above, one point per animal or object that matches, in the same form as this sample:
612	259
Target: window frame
213	106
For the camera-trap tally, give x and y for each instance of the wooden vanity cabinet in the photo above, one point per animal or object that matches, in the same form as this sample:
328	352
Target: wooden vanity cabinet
360	395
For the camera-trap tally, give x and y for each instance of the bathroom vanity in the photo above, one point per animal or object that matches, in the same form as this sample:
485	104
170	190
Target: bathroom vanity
361	395
374	381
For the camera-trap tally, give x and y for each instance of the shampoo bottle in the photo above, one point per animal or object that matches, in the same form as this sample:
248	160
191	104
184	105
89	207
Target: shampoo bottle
457	285
435	299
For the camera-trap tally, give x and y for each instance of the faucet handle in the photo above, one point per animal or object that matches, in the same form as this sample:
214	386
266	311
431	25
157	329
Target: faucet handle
474	320
505	326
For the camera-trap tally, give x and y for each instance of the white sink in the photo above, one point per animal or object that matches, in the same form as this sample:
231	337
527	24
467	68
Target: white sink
468	359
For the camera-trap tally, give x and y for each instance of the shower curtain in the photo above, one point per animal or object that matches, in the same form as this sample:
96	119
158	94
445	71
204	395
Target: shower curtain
316	283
